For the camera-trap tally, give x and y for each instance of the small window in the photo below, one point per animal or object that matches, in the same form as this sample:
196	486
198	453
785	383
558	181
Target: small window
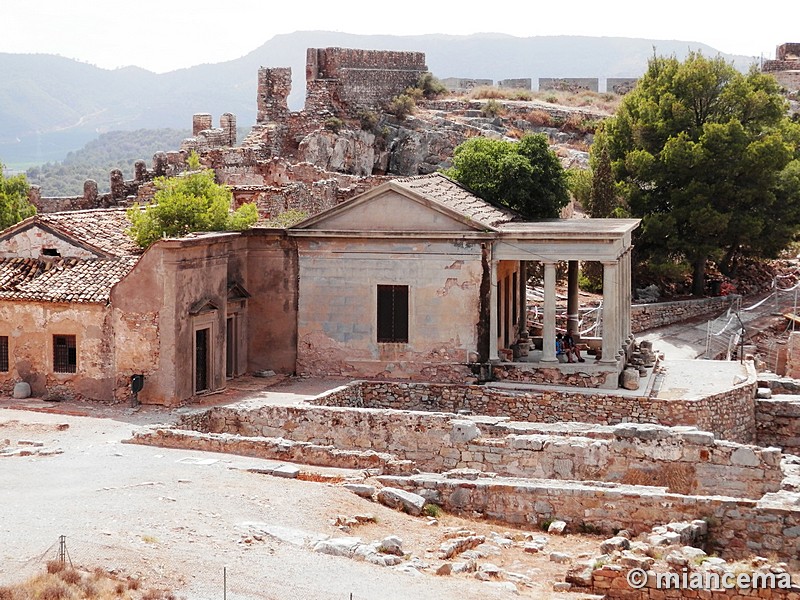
50	252
65	354
393	314
4	353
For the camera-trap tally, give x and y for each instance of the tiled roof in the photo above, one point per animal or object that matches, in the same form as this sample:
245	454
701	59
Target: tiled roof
102	228
62	279
448	193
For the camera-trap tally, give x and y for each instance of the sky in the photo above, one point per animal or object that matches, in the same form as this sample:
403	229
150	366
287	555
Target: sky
170	34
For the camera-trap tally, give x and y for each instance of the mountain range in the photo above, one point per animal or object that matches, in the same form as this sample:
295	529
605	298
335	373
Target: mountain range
50	105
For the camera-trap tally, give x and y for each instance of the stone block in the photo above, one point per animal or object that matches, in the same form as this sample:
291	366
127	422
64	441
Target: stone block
22	390
745	457
360	489
397	498
464	431
286	471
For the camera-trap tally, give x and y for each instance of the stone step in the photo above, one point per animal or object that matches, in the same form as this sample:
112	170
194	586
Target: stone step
274	448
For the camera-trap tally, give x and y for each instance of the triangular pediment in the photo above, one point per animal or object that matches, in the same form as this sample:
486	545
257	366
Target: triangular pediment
392	207
237	292
203	306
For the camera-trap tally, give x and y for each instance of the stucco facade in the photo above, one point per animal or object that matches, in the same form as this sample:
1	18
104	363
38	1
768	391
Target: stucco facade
450	268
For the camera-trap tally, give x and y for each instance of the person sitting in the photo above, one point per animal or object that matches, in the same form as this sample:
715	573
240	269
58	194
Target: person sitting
561	353
571	348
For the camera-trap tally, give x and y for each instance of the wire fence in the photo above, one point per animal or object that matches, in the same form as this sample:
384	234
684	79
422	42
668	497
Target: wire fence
727	334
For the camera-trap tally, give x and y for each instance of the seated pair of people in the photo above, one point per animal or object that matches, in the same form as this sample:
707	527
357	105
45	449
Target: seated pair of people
566	350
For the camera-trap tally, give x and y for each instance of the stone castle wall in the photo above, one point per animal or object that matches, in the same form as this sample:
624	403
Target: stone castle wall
124	192
344	80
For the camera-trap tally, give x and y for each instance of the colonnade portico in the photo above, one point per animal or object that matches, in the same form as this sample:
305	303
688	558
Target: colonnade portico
549	242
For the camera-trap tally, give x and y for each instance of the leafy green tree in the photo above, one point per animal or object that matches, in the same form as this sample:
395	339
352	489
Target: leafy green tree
185	204
707	157
526	175
579	182
14	204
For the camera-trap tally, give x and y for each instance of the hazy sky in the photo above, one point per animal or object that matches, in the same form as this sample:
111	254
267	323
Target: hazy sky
169	34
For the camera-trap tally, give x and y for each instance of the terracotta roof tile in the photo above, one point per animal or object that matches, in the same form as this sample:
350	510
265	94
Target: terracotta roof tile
447	192
62	279
102	228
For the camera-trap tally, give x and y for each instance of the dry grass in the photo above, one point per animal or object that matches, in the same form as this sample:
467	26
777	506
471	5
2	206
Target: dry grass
584	98
61	582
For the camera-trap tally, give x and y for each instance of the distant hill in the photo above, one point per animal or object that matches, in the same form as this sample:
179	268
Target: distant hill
50	105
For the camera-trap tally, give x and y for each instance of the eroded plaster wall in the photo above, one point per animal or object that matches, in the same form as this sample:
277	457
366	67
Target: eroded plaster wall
30	327
31	242
337	309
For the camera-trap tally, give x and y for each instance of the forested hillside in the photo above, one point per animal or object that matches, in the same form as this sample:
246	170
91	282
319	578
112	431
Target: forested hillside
113	150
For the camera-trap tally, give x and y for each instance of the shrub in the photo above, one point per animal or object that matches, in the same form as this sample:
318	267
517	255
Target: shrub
539	118
430	86
432	510
368	119
55	566
491	108
402	106
70	576
334	124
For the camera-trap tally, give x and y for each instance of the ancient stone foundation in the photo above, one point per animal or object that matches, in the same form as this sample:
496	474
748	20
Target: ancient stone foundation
729	415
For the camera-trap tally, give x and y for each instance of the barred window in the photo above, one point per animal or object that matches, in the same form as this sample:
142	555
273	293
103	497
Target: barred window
393	313
4	353
65	354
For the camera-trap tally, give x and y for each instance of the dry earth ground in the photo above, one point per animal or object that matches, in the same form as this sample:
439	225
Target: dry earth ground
178	518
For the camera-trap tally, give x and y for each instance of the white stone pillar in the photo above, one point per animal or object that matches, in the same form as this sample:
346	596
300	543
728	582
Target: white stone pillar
493	332
611	343
549	316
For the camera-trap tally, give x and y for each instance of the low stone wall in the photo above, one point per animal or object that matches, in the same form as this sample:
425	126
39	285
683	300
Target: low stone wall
729	415
611	583
778	423
650	316
737	528
682	460
272	448
578	375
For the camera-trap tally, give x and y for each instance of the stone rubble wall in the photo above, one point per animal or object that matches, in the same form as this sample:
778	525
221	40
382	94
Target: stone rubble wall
737	527
650	316
778	423
610	582
728	415
578	376
684	460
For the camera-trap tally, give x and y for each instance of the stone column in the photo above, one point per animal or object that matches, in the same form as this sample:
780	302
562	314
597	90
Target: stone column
549	316
493	331
626	282
523	299
573	304
611	341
